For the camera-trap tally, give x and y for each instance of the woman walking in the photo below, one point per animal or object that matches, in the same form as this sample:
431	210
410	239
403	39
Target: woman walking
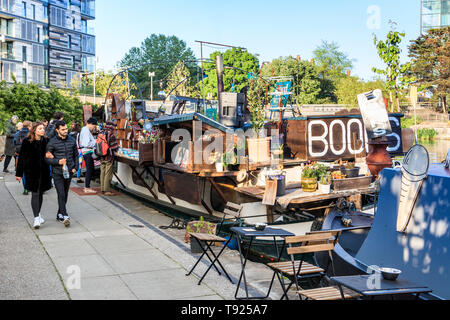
32	164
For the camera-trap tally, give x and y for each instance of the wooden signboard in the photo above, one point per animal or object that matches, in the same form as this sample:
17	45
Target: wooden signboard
330	138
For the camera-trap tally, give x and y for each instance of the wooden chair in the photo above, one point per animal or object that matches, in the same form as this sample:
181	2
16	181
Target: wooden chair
205	241
297	270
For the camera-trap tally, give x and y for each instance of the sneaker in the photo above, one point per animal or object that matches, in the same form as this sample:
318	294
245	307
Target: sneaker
37	223
66	221
60	218
41	219
25	192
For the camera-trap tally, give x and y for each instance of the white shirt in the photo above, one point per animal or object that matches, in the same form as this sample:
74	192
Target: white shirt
87	140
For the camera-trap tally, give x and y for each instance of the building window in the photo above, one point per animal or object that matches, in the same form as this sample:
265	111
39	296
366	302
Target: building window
69	42
45	13
24	8
24	54
24	76
33	11
73	62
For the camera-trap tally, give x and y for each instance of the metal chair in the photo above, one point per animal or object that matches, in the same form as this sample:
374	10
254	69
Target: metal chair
205	242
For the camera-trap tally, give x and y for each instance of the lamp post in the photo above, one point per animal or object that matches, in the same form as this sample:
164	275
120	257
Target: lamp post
151	75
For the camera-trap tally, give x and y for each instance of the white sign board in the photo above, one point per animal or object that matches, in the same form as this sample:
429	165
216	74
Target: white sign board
375	116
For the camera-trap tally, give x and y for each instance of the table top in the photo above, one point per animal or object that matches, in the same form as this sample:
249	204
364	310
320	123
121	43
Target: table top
268	232
365	285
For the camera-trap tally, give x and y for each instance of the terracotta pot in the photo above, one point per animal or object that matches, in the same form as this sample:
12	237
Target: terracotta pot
309	184
259	150
378	158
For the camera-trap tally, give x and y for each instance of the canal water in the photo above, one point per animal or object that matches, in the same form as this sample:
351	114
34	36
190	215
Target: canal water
438	149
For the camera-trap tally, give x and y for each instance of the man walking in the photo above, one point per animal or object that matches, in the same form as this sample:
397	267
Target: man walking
10	150
87	144
107	137
62	155
50	129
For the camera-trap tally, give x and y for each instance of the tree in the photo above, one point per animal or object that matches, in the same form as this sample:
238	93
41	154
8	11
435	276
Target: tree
306	86
237	63
180	82
396	74
430	55
255	103
348	89
159	54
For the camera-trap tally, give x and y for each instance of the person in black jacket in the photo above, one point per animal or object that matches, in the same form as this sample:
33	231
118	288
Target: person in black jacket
33	166
62	155
50	130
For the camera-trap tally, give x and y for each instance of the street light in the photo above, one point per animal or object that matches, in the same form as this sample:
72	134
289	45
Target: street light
151	75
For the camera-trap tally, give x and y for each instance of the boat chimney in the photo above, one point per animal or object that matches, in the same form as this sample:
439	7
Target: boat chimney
219	66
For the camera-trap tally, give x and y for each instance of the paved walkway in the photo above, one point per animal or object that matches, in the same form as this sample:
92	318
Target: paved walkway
114	244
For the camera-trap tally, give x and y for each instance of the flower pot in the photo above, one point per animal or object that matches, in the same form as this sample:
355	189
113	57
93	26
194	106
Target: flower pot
219	166
378	158
259	150
146	154
309	184
325	188
351	173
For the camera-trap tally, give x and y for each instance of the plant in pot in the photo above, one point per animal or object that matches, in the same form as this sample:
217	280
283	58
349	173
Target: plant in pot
230	161
259	147
200	226
215	157
350	170
310	176
147	141
325	184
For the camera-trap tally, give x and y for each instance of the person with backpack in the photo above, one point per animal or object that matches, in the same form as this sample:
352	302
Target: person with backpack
87	144
105	148
75	130
18	141
50	130
9	152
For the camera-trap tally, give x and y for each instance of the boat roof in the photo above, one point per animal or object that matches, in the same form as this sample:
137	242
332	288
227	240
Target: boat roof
178	118
359	116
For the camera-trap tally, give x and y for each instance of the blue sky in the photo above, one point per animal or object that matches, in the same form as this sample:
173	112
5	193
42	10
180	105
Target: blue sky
268	28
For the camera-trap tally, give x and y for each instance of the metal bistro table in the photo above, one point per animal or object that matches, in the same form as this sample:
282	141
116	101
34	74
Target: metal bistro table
252	233
364	286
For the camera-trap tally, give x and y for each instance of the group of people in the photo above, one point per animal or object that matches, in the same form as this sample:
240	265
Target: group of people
46	155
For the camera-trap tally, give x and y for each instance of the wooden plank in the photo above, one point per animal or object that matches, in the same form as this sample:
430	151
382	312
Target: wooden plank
216	187
232	213
234	206
311	249
270	195
313	237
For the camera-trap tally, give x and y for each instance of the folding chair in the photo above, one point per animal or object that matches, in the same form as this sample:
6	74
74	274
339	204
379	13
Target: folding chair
231	209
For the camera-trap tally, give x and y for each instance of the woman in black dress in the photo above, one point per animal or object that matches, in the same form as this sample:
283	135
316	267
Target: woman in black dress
37	172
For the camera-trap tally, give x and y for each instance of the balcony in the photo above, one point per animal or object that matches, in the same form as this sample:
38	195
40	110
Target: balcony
88	8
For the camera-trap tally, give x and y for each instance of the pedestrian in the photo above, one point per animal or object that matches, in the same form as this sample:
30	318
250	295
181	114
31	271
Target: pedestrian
50	130
75	133
10	150
18	141
107	156
33	166
87	144
62	155
45	123
19	127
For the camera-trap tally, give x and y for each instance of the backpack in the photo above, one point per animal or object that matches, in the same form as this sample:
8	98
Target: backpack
50	132
101	145
19	141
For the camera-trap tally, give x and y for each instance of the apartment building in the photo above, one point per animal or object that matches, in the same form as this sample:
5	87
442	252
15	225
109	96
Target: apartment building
47	42
434	14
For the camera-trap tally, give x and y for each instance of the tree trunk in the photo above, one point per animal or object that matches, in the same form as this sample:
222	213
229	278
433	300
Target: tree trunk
391	101
444	104
398	104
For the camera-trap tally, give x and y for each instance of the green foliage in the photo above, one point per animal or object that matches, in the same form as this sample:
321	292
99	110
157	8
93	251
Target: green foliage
330	60
29	102
159	54
306	86
426	134
348	89
397	74
175	82
430	55
237	63
409	122
255	102
314	171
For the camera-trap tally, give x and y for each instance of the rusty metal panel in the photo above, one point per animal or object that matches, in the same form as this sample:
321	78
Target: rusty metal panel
182	186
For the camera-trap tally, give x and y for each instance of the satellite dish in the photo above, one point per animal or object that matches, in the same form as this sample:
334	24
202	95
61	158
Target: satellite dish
414	171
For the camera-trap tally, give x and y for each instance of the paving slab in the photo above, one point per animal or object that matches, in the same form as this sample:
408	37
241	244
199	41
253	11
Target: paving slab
89	266
112	288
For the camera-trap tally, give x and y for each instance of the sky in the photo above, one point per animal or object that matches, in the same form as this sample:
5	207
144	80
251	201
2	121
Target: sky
270	29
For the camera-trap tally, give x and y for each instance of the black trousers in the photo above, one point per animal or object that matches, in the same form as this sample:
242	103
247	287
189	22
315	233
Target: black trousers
7	162
36	202
89	169
62	187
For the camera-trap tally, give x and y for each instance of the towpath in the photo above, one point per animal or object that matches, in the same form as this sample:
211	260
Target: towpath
114	249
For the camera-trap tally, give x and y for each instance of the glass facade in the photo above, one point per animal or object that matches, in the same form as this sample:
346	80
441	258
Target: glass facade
435	14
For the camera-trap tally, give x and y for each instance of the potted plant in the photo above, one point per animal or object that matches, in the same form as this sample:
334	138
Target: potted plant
325	184
147	141
310	176
215	158
230	161
200	226
350	170
259	147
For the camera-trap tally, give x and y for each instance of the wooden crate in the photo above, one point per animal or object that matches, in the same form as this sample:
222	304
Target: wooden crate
146	153
352	183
